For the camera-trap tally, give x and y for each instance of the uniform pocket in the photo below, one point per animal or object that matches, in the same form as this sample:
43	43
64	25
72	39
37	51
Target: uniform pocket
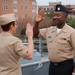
63	42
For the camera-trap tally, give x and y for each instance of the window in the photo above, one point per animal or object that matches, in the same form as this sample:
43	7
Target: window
45	13
44	8
5	7
26	0
15	1
15	9
26	7
33	2
5	0
51	8
33	10
47	8
33	17
26	15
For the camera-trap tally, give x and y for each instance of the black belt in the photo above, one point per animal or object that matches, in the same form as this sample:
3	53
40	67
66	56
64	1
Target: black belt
63	62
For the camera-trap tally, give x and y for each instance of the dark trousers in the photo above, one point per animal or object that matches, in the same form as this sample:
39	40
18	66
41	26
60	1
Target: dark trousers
62	68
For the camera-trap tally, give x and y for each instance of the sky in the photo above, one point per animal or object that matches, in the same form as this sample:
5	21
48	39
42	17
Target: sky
46	2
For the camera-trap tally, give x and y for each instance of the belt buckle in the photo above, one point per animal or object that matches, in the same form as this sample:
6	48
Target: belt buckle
55	64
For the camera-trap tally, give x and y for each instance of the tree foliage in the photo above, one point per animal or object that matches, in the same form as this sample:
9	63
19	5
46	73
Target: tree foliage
71	21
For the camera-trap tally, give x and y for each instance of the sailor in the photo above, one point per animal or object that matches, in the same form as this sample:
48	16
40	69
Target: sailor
11	47
60	41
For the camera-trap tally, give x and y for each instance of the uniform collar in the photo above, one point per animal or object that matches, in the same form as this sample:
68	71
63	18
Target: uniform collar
53	28
64	29
6	34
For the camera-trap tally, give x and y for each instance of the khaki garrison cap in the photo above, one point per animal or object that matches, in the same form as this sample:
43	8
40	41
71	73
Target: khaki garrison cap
7	18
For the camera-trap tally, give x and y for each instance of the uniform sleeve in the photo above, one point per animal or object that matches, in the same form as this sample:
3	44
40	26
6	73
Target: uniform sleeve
20	48
42	32
73	40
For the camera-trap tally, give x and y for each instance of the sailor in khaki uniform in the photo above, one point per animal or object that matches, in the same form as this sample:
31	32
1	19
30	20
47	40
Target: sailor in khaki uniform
60	42
11	47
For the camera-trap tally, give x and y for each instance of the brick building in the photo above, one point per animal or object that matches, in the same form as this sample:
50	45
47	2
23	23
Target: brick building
25	10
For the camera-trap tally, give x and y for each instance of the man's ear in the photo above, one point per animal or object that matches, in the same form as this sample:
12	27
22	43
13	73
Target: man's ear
11	27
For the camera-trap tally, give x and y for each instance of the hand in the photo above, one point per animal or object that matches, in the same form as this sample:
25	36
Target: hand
40	16
29	30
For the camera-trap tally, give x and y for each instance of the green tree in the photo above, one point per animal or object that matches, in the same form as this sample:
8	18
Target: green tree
71	21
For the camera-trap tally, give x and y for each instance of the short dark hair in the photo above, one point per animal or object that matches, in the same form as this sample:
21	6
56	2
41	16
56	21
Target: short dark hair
7	26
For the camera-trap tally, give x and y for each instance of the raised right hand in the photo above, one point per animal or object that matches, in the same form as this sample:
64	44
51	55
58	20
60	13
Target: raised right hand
29	30
40	16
